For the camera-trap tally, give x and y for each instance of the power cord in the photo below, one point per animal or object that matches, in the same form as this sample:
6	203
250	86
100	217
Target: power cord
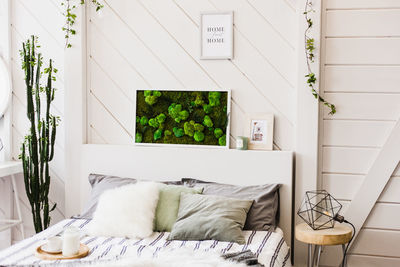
340	219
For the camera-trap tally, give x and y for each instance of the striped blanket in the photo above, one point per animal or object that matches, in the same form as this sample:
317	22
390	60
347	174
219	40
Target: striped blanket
270	247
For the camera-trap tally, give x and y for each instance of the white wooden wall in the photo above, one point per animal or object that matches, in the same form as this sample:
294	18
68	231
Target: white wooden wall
42	18
155	44
5	133
361	71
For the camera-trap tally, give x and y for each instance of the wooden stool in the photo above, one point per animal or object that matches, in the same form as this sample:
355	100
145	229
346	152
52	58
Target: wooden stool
339	235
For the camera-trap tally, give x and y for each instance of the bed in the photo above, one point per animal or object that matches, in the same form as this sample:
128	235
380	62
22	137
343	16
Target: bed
273	248
269	247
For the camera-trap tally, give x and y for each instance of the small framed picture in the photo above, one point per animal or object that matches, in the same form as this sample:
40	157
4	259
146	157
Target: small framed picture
216	35
260	131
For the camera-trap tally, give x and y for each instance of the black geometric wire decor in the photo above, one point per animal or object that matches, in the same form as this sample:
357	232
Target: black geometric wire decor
318	209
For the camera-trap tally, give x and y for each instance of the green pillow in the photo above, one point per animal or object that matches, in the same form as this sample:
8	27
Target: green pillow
205	217
168	205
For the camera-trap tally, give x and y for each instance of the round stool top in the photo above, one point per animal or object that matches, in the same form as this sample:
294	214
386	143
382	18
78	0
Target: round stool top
340	234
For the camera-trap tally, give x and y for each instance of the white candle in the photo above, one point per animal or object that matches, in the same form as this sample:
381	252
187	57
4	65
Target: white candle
71	241
241	142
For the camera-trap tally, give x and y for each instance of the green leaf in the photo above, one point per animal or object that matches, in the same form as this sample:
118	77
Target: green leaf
309	51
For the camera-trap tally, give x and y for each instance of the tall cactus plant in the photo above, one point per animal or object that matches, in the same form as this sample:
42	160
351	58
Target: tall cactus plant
38	147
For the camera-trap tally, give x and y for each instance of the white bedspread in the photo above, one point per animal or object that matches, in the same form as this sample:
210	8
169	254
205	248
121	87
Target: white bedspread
270	248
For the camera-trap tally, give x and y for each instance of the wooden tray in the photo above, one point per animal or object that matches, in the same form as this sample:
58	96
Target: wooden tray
83	252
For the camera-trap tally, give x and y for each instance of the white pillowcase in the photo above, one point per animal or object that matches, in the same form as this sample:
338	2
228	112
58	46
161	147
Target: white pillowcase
126	211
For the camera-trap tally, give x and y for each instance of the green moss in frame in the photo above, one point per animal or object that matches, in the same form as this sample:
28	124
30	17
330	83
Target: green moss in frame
183	117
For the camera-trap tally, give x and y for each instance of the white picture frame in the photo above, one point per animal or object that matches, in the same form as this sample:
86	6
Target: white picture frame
260	131
216	35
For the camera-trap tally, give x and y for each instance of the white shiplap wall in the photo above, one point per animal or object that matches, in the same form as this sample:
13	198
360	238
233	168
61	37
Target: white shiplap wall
41	18
155	44
361	75
5	133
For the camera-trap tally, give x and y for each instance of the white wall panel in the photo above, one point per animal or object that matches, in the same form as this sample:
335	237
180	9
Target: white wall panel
279	14
377	242
179	63
47	14
348	159
5	210
166	55
391	192
374	51
384	216
356	133
372	261
364	106
352	23
106	57
106	126
44	19
133	49
156	45
26	24
342	186
113	99
361	77
361	4
345	186
279	52
372	241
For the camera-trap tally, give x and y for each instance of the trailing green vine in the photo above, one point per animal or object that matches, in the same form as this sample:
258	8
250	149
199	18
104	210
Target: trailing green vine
309	43
70	17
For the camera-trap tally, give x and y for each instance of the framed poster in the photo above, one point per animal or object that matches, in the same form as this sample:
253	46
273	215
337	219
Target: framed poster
260	131
216	35
197	118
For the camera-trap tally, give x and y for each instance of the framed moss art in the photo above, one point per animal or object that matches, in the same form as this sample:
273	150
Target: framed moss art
182	117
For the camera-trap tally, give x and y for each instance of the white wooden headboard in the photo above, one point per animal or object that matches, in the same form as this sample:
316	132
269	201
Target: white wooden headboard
218	165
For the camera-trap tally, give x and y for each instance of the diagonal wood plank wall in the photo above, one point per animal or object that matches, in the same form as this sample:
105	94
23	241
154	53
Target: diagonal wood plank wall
155	44
361	68
5	124
41	18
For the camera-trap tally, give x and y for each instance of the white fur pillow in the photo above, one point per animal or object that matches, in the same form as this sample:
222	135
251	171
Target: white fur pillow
126	211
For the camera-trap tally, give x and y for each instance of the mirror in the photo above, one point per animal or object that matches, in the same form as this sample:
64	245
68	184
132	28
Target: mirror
5	87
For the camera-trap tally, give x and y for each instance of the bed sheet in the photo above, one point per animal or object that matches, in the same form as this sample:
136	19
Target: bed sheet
270	247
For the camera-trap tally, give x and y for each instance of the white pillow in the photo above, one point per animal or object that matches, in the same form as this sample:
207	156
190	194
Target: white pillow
126	211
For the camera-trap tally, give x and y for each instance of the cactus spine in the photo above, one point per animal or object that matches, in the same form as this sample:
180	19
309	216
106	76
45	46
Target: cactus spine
38	147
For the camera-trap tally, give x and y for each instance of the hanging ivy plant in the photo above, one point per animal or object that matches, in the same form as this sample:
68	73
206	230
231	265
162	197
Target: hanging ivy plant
310	49
70	17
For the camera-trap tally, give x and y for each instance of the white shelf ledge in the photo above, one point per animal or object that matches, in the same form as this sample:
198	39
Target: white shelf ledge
10	168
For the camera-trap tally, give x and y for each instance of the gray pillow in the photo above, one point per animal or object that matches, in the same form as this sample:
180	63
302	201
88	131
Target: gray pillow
101	183
263	214
210	217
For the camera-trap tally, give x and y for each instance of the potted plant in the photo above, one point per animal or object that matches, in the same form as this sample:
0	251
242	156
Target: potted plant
38	147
